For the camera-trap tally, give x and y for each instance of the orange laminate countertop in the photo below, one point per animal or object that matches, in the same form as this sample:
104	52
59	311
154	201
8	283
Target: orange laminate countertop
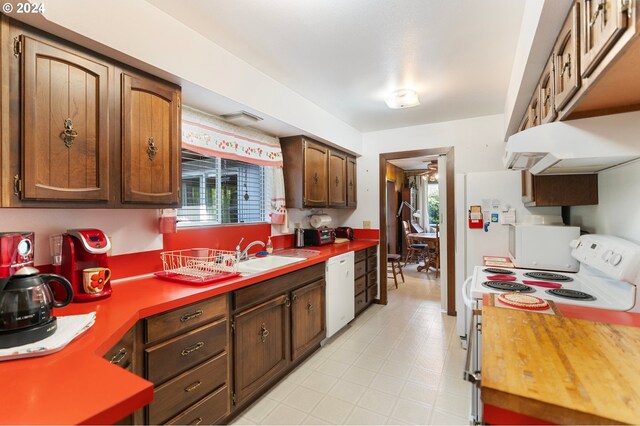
78	386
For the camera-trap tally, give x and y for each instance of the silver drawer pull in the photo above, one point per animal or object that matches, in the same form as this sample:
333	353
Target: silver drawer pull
263	333
189	317
193	386
309	307
192	348
196	421
119	356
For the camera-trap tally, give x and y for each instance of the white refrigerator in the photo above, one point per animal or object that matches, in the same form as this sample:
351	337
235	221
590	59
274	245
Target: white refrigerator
494	192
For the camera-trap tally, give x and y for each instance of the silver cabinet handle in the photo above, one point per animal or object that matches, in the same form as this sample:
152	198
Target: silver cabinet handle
471	376
186	351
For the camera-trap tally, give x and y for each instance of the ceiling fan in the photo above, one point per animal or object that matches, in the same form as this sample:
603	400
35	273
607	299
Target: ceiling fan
432	168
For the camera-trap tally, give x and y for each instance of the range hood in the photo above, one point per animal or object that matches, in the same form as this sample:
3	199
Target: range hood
583	146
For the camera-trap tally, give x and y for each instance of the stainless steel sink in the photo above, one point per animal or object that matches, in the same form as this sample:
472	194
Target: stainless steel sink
262	264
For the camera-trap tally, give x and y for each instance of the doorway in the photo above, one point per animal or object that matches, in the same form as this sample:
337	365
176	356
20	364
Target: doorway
447	234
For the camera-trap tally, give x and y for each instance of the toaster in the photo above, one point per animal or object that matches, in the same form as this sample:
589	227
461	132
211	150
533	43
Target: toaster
344	232
319	237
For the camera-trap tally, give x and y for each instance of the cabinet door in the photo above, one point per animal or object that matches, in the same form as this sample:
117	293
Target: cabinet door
65	144
150	142
603	22
315	174
547	106
567	63
352	187
261	345
534	109
307	318
337	179
528	190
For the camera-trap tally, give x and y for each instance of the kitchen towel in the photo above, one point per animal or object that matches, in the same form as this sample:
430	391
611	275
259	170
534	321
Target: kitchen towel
69	327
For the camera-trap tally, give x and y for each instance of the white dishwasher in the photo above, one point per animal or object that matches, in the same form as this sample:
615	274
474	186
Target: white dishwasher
339	292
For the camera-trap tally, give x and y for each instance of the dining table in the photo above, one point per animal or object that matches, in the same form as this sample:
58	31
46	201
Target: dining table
431	238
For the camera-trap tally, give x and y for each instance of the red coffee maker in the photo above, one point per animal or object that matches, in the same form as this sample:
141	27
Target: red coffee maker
82	249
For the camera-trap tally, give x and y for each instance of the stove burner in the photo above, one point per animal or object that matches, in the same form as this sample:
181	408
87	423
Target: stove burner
570	294
548	276
509	286
498	271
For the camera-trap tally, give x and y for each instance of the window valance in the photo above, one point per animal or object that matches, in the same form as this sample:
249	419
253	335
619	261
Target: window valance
209	135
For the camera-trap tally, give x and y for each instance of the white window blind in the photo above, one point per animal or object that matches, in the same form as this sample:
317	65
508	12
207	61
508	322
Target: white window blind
219	191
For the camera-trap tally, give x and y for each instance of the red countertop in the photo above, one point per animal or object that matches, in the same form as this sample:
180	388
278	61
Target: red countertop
78	386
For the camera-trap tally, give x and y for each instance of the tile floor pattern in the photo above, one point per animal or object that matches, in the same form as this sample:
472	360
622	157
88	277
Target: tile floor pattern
395	364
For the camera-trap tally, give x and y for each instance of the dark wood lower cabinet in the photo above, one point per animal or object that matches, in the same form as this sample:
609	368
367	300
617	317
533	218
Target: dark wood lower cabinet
366	278
307	318
276	324
208	411
261	345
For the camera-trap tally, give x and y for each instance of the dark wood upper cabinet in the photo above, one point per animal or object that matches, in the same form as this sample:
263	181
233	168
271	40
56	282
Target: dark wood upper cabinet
559	190
566	58
150	141
65	129
316	175
603	22
337	179
352	183
316	159
546	95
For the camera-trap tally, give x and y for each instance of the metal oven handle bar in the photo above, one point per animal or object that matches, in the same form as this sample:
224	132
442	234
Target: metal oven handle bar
466	292
472	377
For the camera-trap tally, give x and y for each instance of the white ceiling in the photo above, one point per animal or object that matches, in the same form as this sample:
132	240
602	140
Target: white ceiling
414	163
346	56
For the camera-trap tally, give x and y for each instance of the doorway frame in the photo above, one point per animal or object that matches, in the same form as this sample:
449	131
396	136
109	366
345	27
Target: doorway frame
448	152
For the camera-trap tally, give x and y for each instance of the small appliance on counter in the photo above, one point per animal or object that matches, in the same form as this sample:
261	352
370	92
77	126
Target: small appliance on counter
298	238
26	306
344	232
85	263
319	237
16	252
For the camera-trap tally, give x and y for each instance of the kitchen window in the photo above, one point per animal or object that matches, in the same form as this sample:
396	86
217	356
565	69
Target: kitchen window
223	191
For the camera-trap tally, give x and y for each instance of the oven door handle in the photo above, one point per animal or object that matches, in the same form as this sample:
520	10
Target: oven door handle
471	376
466	293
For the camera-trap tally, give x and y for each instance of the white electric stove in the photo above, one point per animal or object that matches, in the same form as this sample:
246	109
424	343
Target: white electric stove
607	279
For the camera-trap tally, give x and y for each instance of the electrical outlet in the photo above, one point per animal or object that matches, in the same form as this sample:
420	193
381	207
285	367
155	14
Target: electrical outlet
296	225
366	224
111	249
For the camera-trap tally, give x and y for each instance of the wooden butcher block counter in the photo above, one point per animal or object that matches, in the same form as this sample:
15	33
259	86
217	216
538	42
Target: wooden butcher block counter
558	369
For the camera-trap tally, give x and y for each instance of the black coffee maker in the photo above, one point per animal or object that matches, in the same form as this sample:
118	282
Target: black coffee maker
26	306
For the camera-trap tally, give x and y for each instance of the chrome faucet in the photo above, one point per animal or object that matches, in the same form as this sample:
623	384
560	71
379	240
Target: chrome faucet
243	254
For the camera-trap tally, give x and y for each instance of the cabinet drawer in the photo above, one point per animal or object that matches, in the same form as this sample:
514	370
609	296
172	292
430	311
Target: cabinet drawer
360	269
372	251
185	318
206	412
177	394
183	352
371	293
360	255
372	263
121	353
360	301
372	278
360	284
265	290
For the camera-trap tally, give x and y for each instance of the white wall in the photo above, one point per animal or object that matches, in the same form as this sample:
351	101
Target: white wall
478	147
130	231
617	211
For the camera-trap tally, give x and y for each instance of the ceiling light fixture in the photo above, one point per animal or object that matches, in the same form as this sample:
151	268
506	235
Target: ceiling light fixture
404	98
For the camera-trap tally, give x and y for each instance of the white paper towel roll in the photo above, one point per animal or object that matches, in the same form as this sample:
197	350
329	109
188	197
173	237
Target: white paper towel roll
320	220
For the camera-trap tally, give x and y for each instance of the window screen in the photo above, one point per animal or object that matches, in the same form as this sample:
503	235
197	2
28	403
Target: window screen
218	191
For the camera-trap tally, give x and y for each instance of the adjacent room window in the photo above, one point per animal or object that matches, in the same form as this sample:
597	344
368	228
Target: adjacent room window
220	191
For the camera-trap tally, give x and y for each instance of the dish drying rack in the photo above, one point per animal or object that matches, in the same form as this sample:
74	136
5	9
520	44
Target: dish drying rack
187	266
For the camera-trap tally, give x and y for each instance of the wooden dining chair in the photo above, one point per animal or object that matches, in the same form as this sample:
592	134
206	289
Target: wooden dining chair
414	249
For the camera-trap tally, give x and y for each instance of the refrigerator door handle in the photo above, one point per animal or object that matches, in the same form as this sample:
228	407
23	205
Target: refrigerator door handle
466	292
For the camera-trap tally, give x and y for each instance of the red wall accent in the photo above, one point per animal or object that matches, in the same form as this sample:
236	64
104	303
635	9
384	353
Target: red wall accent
216	237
